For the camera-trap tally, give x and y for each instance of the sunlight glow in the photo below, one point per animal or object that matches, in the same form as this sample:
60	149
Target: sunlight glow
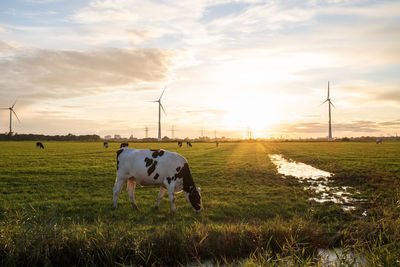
259	114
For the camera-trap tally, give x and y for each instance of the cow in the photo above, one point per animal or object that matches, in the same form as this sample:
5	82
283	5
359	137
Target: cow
123	145
378	141
216	143
105	145
39	145
169	170
188	144
180	143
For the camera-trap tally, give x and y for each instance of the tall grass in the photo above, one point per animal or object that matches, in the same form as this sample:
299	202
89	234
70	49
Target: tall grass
24	242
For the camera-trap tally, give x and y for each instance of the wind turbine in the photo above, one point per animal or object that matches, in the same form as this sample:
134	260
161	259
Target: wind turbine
330	117
11	112
160	106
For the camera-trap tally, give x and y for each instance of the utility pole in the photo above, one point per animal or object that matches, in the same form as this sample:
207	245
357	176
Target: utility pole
146	130
172	132
249	133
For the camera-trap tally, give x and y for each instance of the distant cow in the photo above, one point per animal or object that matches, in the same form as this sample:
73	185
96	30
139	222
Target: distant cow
378	141
124	145
39	145
216	143
105	145
180	143
188	144
169	170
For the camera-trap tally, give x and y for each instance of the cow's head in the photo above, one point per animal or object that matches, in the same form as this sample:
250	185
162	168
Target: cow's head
194	199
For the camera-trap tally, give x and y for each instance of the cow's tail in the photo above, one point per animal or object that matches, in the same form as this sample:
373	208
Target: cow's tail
119	153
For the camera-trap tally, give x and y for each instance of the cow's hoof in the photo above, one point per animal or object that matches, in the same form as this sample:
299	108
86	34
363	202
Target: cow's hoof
113	207
135	207
155	207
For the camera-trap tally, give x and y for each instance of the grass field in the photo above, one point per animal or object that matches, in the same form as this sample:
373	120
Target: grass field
55	206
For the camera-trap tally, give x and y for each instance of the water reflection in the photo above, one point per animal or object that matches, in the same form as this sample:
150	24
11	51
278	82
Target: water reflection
317	181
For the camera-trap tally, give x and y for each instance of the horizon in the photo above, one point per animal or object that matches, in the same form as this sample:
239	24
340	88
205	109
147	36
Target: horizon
88	67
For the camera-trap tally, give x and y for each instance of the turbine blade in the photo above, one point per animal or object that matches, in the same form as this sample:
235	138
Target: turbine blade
162	93
163	109
328	90
324	102
152	101
16	115
332	104
4	108
14	103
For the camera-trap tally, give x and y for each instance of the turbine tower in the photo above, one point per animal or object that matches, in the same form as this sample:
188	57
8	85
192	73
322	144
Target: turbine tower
11	112
328	99
160	106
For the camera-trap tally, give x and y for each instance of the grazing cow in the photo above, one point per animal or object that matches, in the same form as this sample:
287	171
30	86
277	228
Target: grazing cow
188	144
378	141
169	170
216	143
124	145
180	143
40	145
105	145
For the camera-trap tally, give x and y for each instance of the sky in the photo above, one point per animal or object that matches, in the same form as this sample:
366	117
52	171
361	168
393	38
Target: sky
91	67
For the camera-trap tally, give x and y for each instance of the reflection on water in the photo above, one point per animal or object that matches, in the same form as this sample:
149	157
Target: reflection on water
297	169
340	257
317	181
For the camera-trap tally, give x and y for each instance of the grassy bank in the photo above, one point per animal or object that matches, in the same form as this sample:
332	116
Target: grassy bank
55	206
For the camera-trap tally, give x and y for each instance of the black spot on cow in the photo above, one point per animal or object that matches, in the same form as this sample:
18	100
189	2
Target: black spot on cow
194	198
169	179
184	172
118	153
189	186
157	153
178	168
156	176
148	161
152	168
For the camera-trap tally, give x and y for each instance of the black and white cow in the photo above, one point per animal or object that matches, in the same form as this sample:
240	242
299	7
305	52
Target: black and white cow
180	143
169	170
39	145
105	145
378	141
123	145
188	144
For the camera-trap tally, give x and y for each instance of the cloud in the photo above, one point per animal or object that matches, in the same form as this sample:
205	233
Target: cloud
64	74
7	46
392	95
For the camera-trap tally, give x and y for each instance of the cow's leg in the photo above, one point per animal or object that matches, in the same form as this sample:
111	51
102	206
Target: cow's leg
160	196
171	195
130	188
117	189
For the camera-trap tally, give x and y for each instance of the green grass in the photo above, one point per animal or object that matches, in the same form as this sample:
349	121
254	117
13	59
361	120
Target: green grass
55	206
